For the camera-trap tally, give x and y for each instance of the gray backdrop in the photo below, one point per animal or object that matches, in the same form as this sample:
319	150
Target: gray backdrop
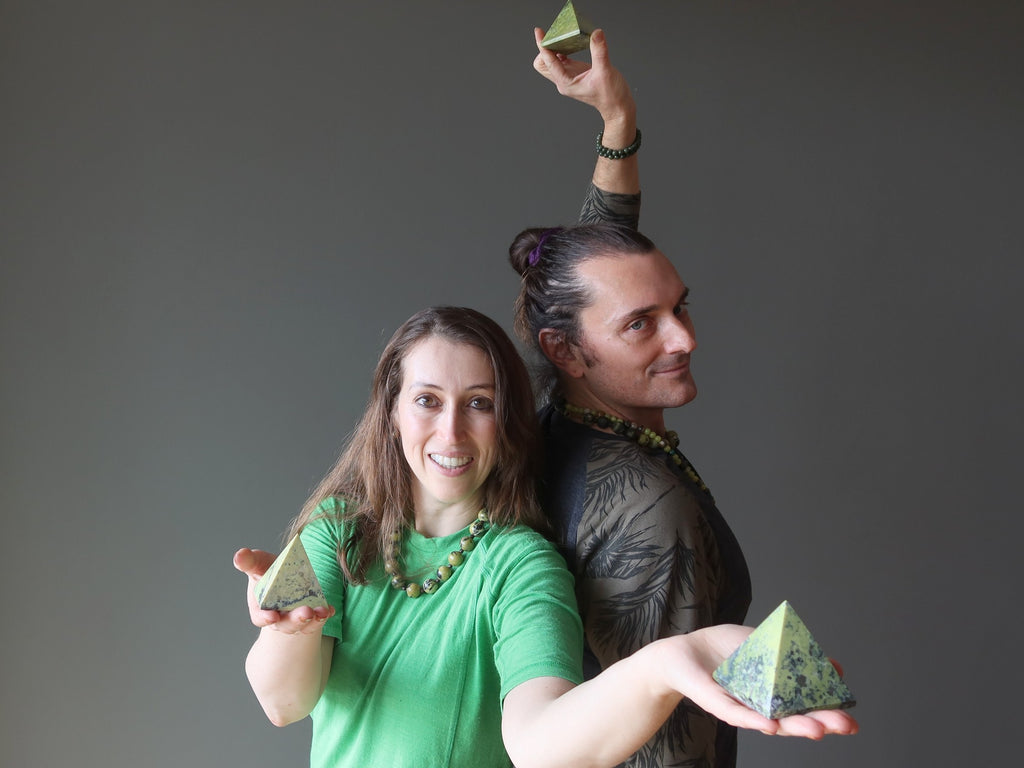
215	213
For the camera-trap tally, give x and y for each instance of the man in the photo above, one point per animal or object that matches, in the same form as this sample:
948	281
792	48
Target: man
651	553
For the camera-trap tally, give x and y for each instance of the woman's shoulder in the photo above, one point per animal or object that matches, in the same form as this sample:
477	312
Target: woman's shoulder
333	506
516	542
332	516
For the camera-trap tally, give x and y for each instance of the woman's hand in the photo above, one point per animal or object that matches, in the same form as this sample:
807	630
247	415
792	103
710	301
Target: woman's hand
695	656
303	620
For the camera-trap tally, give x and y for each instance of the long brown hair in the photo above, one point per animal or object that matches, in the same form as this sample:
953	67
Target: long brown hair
372	476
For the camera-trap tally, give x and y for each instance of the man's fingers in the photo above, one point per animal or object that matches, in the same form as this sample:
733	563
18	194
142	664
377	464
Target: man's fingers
598	49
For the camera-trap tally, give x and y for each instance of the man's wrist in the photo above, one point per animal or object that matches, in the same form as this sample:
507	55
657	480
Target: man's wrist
620	153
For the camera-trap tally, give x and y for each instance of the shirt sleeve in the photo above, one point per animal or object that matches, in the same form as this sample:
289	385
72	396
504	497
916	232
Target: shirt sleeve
539	633
601	207
321	539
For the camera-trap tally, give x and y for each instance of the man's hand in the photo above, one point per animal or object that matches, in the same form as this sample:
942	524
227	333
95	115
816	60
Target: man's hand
598	83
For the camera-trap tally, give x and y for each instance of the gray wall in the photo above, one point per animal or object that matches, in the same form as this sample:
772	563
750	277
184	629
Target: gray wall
213	215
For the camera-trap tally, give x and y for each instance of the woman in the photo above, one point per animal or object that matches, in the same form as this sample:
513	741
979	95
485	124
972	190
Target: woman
473	660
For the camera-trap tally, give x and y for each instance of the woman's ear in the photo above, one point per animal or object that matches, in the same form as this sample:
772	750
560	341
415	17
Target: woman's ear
563	355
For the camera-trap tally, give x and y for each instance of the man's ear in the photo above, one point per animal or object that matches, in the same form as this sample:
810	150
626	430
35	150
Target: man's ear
563	355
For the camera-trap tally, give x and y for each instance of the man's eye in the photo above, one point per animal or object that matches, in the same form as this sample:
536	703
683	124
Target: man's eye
638	325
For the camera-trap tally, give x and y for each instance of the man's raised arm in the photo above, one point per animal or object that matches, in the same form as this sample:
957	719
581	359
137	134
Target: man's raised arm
614	195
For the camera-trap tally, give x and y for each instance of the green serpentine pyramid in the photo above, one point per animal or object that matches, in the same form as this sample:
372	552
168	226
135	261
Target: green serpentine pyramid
290	581
780	670
569	32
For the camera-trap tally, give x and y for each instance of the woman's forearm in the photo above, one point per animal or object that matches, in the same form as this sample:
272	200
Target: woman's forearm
549	722
288	672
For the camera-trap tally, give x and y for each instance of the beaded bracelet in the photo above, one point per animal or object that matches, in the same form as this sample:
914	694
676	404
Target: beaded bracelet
618	154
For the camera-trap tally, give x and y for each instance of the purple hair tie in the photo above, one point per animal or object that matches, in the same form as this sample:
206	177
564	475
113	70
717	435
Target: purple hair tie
535	253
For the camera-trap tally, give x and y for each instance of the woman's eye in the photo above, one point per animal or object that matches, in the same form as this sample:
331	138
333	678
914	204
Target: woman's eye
426	401
481	404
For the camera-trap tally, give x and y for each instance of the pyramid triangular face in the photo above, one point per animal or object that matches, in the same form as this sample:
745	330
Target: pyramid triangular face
780	670
569	32
290	581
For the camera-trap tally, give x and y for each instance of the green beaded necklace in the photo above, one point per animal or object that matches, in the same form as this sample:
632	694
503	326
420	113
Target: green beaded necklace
642	436
429	586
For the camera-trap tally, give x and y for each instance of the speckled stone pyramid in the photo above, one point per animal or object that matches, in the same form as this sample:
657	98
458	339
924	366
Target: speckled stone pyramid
569	32
290	581
781	670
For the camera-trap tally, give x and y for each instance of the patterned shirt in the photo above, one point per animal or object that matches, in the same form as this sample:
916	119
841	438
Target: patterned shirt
651	553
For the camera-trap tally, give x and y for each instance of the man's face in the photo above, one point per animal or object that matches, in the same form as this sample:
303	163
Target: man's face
636	338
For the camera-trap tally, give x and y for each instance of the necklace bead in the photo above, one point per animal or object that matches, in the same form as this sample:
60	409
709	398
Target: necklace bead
444	572
641	435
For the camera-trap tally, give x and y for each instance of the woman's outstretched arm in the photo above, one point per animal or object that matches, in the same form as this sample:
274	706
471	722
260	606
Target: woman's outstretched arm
550	722
289	663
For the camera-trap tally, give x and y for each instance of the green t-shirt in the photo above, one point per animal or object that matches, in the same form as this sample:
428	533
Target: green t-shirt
420	682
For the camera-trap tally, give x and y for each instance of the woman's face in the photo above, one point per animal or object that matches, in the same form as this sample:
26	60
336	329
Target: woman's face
446	416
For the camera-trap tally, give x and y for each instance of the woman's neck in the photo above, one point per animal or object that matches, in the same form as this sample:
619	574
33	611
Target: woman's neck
436	521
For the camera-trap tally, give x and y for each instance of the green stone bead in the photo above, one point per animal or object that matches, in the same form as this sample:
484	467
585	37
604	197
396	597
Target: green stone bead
455	558
412	589
482	515
398	582
478	527
430	586
444	572
467	543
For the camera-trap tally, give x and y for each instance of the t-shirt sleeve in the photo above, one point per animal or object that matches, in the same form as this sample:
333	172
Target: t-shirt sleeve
601	207
321	539
539	633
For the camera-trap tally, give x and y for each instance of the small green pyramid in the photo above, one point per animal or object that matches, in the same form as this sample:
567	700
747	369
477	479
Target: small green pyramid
780	670
569	32
289	581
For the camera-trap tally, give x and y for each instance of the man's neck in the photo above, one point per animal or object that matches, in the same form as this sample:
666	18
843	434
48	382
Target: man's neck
652	418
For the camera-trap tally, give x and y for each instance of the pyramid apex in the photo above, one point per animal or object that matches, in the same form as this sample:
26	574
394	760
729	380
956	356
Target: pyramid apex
781	670
290	581
569	32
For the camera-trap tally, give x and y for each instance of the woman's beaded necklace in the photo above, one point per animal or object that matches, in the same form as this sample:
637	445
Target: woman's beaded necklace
413	589
642	436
